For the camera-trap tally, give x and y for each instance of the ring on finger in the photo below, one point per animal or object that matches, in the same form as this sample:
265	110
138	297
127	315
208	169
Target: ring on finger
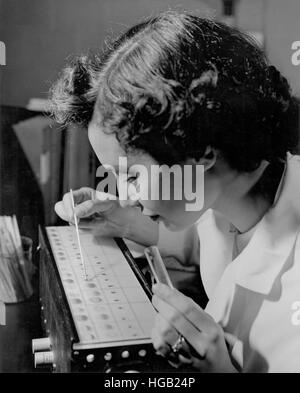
178	345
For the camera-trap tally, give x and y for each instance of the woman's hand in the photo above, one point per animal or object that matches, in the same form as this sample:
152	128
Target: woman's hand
204	348
103	214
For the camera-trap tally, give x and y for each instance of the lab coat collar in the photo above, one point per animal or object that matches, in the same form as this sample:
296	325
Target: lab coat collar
274	239
258	265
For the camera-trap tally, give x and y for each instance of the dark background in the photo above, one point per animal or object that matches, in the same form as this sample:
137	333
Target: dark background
40	34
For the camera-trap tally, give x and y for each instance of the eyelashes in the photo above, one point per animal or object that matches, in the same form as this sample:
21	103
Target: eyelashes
131	179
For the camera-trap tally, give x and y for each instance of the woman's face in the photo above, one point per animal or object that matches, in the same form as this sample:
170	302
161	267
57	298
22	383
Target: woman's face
176	200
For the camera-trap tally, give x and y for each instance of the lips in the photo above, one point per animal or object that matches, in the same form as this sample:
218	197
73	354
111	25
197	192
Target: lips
167	224
158	218
155	218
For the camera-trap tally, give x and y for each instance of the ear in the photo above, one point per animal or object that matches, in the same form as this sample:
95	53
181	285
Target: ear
208	159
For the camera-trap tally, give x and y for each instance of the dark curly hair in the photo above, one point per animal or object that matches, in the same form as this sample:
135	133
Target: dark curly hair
176	83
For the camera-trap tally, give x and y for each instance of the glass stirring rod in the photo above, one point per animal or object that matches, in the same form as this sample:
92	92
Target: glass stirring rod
77	233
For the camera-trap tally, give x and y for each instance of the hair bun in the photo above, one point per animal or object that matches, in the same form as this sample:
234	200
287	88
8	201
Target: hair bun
81	76
74	94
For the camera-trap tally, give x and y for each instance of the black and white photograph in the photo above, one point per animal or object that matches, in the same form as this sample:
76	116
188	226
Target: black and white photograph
149	189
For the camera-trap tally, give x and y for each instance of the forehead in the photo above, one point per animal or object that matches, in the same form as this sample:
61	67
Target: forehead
105	145
108	149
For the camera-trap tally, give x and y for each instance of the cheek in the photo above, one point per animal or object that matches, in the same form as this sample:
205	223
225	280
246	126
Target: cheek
173	209
158	198
147	187
149	196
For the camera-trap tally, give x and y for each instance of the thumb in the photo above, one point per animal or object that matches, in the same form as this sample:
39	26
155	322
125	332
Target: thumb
87	208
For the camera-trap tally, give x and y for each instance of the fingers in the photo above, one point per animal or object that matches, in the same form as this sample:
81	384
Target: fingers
62	213
164	336
65	210
67	206
186	306
165	331
106	229
161	347
87	208
181	324
188	319
83	194
105	196
87	202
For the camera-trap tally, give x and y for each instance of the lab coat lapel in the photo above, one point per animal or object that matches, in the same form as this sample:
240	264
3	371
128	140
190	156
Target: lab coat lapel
216	243
257	267
273	242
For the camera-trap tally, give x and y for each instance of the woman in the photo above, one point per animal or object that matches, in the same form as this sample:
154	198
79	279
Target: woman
179	89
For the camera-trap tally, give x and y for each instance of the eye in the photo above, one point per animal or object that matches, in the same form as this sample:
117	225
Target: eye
132	178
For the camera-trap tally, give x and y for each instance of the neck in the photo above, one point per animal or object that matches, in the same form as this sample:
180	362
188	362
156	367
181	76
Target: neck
237	204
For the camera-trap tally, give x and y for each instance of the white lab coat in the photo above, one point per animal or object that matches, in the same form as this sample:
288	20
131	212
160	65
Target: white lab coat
256	296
